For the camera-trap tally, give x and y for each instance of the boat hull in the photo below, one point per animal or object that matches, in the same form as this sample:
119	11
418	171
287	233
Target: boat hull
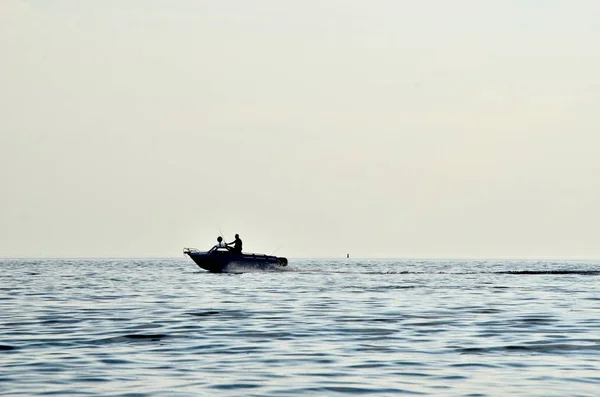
220	262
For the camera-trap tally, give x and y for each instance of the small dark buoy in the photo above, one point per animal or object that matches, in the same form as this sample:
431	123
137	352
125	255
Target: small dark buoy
347	255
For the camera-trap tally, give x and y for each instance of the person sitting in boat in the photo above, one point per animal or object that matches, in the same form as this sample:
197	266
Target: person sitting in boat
220	244
237	245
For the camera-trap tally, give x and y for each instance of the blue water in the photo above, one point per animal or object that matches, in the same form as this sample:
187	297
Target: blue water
164	327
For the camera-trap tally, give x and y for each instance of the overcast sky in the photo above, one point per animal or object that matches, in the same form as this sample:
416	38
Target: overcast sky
382	128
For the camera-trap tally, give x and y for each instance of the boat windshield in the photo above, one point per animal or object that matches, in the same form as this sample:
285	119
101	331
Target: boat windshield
218	249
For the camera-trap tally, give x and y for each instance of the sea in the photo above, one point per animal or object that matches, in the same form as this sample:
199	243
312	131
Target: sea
321	327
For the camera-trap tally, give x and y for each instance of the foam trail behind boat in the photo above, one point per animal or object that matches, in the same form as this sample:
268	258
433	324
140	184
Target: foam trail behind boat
240	267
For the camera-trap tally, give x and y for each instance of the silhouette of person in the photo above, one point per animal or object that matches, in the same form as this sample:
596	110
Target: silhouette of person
220	244
237	245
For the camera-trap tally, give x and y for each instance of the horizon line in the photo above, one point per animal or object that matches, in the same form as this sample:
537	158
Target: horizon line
327	257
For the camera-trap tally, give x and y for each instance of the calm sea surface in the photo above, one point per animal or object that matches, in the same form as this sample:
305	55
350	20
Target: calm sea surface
164	327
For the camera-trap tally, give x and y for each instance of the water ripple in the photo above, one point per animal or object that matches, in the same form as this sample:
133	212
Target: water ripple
160	327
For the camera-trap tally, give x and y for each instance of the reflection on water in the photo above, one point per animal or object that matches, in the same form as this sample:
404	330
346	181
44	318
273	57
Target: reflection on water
321	327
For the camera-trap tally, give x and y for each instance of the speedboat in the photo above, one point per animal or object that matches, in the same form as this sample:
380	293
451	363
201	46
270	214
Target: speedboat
222	260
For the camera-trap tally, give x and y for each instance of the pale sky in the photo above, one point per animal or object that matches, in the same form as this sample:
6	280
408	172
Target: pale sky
383	128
